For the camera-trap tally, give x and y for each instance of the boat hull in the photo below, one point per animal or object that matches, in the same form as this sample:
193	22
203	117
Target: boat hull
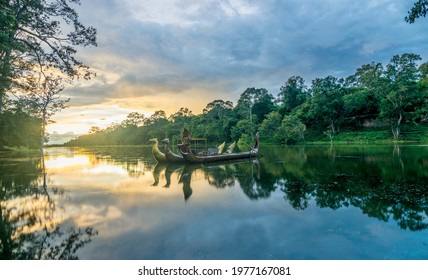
174	158
192	158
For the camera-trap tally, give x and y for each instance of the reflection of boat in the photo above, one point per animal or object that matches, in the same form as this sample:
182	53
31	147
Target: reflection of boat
189	156
157	154
169	155
186	179
156	173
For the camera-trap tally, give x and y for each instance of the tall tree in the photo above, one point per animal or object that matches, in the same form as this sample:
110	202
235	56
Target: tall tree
246	105
292	94
217	108
134	119
31	32
361	101
43	99
419	9
398	95
326	104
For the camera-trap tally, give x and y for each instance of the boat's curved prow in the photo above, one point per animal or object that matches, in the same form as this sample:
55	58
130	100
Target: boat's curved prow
157	154
169	155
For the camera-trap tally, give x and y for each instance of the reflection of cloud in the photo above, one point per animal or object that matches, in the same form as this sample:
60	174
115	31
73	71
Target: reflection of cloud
62	162
93	216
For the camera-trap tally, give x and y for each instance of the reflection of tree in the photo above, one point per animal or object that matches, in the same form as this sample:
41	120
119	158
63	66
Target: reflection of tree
133	159
29	227
226	174
254	183
382	186
156	173
297	193
220	176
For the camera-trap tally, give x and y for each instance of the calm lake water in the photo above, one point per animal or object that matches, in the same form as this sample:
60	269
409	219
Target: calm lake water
312	202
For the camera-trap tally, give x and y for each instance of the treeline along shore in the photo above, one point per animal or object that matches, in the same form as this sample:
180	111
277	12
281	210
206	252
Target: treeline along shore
377	103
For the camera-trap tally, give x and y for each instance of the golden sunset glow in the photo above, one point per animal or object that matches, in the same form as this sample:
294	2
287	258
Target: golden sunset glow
164	55
66	162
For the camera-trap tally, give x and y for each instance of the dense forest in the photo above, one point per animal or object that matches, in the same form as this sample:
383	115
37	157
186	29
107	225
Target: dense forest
381	98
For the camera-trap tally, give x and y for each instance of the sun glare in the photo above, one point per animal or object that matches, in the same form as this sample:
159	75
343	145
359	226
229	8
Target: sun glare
63	162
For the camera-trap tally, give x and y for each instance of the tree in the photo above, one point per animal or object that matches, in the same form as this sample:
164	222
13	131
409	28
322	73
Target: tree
32	39
157	123
182	113
43	100
134	119
263	105
326	105
156	117
368	76
359	105
398	95
270	124
216	109
19	129
361	99
419	9
255	101
291	130
177	121
243	131
292	94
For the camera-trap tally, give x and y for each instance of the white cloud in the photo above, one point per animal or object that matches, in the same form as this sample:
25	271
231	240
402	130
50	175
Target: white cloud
152	52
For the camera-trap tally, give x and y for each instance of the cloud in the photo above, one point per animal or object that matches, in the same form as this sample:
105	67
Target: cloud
216	49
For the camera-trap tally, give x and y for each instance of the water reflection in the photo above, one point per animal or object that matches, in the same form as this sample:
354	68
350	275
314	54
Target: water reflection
31	224
384	182
116	193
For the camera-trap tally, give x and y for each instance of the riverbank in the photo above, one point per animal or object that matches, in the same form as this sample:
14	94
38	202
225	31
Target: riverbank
21	151
409	134
372	135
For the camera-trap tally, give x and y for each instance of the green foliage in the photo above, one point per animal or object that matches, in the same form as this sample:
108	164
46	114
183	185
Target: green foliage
19	129
292	130
243	131
419	9
254	104
399	93
358	108
360	104
292	94
326	107
270	125
33	37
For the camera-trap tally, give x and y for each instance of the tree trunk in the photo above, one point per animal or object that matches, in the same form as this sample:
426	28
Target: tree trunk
4	81
396	127
1	101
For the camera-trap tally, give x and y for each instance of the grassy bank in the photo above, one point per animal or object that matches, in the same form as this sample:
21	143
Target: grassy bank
409	134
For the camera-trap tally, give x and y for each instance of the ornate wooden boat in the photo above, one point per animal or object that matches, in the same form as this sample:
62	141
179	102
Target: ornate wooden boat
157	154
169	155
189	156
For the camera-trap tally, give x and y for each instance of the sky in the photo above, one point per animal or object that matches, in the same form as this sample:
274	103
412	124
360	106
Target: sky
167	54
